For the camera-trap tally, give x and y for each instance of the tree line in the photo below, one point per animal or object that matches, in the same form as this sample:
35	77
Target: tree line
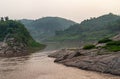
4	18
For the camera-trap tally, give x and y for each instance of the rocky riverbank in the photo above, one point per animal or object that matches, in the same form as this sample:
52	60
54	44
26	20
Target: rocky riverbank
89	60
103	56
11	48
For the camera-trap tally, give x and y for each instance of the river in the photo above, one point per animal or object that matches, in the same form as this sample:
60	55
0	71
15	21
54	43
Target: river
39	66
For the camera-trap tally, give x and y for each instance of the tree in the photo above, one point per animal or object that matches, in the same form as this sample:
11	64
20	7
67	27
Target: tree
2	19
6	18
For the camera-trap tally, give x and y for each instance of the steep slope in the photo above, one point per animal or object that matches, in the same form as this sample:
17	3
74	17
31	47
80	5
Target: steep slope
15	40
91	29
45	27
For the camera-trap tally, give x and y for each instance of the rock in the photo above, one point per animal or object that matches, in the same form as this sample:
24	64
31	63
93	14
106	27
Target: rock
108	63
116	38
12	49
0	48
101	45
4	45
74	54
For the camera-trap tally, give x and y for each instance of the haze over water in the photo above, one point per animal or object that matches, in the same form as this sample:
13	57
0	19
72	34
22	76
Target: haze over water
76	10
38	65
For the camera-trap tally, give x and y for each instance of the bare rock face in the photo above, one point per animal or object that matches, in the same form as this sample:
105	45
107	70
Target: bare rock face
108	63
64	54
117	37
10	48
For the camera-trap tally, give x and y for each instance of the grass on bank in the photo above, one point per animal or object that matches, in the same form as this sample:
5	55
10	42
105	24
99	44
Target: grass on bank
105	40
89	46
113	46
110	45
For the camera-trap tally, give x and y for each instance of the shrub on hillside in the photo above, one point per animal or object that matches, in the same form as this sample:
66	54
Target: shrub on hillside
113	46
105	40
117	43
89	46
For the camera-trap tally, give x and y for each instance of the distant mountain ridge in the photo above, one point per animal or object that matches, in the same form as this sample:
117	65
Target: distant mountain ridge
46	27
91	29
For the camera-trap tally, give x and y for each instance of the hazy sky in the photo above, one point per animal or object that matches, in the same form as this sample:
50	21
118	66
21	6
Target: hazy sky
76	10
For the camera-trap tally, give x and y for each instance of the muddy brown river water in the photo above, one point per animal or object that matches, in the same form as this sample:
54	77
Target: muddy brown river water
39	66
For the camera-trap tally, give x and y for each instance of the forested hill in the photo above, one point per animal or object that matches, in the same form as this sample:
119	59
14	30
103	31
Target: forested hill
45	27
15	39
91	29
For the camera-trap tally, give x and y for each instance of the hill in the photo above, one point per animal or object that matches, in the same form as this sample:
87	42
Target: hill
45	27
15	40
91	29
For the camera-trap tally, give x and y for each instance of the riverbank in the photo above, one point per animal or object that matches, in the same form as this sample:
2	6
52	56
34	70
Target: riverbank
18	49
89	60
39	66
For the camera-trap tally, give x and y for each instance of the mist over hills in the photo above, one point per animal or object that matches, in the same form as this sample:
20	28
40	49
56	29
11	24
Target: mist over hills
45	27
60	29
91	29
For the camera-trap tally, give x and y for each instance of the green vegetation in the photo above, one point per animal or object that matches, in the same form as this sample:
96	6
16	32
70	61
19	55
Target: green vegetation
59	29
113	46
89	46
105	40
117	43
92	29
46	27
16	30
